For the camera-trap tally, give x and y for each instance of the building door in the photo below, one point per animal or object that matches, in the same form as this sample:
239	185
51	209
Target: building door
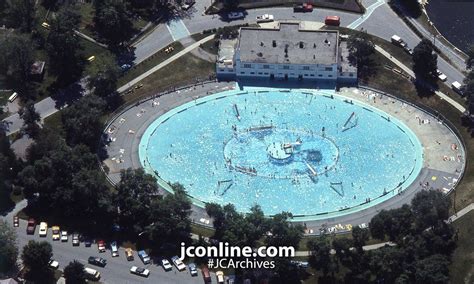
272	76
286	76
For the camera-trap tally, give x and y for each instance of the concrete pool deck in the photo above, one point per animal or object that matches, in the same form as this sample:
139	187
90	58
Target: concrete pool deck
442	166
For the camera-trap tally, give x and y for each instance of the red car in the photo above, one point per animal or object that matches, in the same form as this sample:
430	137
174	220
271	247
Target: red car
101	245
16	221
31	227
305	7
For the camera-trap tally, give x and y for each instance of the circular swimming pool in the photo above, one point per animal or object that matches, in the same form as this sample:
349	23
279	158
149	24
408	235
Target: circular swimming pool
309	153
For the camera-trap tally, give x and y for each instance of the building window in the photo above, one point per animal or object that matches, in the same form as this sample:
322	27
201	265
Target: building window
320	75
328	69
351	75
266	73
222	70
312	75
305	67
259	73
266	66
242	72
286	67
329	75
247	65
252	73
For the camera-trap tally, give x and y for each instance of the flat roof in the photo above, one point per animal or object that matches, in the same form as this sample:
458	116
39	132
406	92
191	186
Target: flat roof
288	45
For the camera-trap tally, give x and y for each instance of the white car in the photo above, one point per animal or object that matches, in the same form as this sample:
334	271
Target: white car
114	249
53	264
178	263
166	264
43	229
64	236
235	15
140	271
265	18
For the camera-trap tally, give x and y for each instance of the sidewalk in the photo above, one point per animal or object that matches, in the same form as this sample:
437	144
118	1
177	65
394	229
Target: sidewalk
407	70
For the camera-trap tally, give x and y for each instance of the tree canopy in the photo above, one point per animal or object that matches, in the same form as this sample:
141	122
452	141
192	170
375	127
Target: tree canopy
36	257
425	61
360	49
8	248
63	46
82	121
21	14
31	119
112	21
74	273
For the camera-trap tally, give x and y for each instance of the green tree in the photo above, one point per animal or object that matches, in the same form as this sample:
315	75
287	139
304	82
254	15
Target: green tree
360	237
74	273
360	49
135	194
21	14
104	84
69	186
429	207
112	22
468	90
470	56
283	233
31	119
425	61
320	258
170	218
8	248
433	270
64	48
36	257
16	58
82	121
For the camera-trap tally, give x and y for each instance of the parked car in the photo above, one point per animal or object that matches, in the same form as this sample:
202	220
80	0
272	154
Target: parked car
99	261
31	227
75	240
305	7
140	271
16	221
408	50
332	21
87	242
114	249
43	229
441	76
144	257
265	18
396	40
53	264
178	263
193	269
220	277
92	274
206	276
235	15
101	245
187	4
56	233
166	264
129	254
64	236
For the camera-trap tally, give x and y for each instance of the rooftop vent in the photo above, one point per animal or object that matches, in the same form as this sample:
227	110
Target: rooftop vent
261	43
274	43
326	41
259	54
301	44
314	45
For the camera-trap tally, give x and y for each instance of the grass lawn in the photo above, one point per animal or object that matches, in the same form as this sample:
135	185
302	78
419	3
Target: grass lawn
461	268
183	71
201	230
86	10
210	47
149	63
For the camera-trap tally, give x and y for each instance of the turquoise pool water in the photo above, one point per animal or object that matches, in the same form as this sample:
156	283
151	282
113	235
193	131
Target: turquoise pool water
307	153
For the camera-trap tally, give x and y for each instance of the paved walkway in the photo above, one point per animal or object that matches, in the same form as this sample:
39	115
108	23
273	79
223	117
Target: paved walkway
164	63
407	70
368	12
